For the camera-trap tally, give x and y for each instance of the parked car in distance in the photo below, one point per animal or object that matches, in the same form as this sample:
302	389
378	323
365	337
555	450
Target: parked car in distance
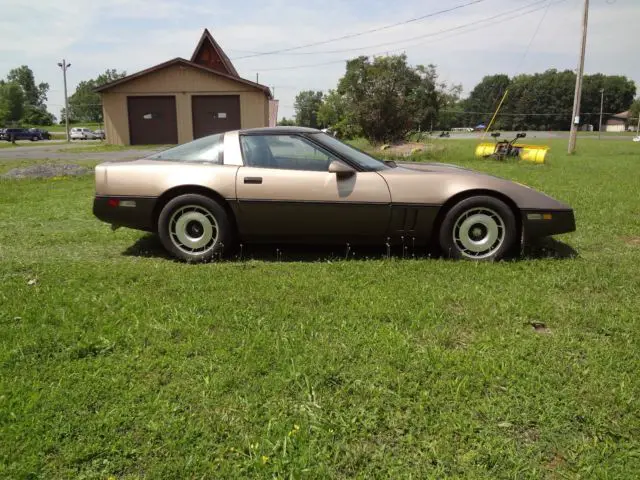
41	134
299	185
11	134
82	133
99	134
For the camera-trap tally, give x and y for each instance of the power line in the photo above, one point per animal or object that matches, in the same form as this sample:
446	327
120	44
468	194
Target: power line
358	34
431	34
521	114
535	34
459	27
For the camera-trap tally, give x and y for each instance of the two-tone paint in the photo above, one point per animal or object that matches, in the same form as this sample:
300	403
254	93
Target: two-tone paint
268	204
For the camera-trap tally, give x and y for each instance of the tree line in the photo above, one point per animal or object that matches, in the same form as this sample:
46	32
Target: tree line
381	98
385	98
22	101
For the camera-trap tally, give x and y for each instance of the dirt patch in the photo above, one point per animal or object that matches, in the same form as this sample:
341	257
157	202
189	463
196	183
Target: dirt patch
47	171
540	327
407	149
635	241
556	462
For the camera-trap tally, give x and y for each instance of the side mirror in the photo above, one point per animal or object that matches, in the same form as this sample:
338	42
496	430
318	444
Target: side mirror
341	169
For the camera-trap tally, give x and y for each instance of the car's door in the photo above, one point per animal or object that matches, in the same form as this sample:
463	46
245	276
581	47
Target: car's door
286	192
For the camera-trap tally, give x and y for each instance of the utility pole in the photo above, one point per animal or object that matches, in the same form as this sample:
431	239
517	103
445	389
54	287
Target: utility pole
575	119
601	108
64	65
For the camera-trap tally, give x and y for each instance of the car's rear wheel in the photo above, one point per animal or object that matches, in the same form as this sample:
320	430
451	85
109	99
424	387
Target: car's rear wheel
478	228
194	228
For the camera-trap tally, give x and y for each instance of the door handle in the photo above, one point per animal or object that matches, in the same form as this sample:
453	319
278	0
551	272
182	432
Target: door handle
253	180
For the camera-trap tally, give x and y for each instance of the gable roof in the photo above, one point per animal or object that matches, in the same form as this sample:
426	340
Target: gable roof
209	54
182	61
625	114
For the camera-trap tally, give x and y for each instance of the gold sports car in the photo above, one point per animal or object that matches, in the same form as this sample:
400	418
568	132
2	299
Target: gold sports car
299	185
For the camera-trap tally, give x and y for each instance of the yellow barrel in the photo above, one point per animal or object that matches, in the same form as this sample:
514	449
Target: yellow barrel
533	153
485	149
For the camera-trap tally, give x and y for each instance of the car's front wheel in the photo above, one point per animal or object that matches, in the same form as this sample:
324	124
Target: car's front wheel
478	228
194	228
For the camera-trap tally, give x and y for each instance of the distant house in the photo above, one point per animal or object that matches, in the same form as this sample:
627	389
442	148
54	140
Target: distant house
619	122
180	100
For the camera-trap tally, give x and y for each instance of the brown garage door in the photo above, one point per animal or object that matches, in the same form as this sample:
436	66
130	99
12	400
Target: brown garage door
215	114
152	120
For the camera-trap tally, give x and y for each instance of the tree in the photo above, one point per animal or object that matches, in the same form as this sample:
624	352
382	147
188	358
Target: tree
286	122
544	101
85	104
34	95
451	113
386	97
335	114
485	97
11	103
37	116
425	97
306	105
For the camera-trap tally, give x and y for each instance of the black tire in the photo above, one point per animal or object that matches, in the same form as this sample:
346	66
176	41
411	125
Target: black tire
203	216
480	228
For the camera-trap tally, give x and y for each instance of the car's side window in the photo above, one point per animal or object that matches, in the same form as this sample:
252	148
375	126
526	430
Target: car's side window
206	149
286	152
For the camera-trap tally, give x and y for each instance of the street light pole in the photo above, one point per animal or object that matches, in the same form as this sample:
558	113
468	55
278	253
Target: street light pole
575	119
601	108
64	65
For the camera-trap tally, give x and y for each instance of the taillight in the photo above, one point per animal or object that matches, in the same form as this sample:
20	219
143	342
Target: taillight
113	202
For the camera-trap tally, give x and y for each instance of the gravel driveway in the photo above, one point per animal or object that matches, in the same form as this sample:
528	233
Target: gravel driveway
53	151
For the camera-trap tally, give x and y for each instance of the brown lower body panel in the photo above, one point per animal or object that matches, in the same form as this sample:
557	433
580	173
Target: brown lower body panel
337	222
562	221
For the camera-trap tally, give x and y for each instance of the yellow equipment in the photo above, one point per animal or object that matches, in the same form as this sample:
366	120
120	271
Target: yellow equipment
504	149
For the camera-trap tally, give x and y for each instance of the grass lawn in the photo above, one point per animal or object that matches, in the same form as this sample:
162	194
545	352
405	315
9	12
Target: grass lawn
116	362
108	147
23	143
62	128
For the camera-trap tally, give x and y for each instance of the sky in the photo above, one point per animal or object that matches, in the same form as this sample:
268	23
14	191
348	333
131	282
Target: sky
464	44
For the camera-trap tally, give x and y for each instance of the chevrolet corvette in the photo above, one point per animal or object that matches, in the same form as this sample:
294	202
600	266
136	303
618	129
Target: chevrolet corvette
300	185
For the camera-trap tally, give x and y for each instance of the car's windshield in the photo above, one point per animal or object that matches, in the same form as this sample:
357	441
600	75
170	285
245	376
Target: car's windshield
206	149
366	162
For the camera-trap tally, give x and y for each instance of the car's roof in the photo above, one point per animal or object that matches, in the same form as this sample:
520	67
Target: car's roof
277	130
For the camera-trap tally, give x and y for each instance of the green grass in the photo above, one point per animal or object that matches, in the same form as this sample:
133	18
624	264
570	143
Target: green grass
108	147
116	362
23	143
62	128
7	165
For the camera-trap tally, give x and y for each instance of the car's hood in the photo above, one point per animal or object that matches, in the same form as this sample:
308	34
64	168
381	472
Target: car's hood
436	167
435	183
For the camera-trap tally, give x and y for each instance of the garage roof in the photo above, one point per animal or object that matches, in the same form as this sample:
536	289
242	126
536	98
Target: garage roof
209	54
182	61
